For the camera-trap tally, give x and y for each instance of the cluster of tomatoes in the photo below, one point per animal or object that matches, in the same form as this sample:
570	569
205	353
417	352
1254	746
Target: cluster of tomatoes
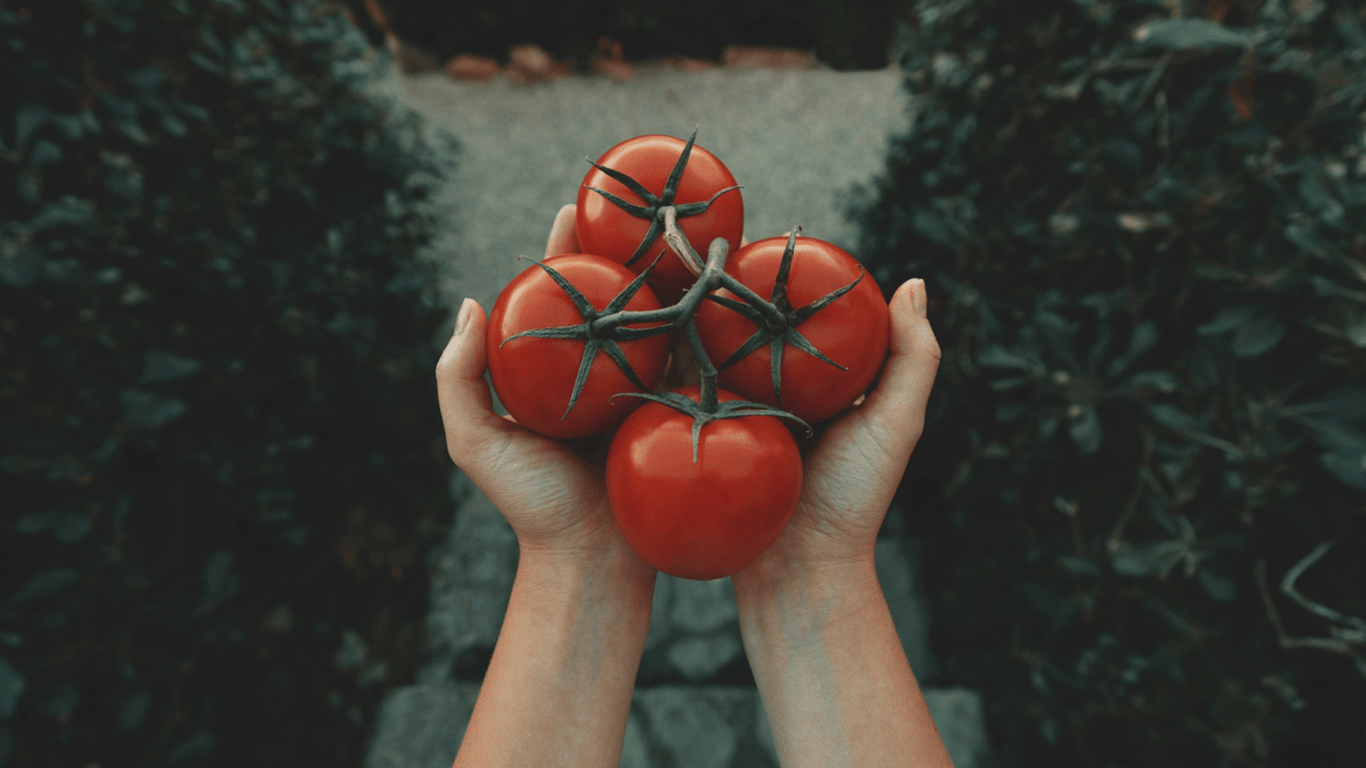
701	479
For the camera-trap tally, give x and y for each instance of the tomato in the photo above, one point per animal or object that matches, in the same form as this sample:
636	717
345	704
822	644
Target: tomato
852	330
607	230
535	377
708	518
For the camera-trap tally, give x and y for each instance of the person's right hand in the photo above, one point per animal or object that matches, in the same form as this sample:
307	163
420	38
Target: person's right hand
552	493
851	474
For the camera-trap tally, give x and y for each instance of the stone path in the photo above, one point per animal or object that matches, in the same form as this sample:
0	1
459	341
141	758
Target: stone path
799	142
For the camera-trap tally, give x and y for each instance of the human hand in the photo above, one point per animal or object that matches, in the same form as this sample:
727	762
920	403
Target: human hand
851	474
553	493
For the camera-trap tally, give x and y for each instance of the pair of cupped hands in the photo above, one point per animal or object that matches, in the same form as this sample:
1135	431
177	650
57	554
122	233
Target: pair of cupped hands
553	493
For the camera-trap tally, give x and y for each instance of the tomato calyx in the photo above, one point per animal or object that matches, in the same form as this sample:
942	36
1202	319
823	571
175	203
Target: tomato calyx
776	320
596	336
656	207
708	407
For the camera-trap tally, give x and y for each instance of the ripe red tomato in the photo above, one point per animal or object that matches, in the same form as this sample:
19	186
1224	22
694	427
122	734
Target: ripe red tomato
705	519
534	377
852	330
605	229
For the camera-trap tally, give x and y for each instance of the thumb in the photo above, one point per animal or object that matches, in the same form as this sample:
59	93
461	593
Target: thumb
895	410
466	405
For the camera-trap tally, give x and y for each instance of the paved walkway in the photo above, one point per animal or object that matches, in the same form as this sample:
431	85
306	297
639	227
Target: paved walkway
800	142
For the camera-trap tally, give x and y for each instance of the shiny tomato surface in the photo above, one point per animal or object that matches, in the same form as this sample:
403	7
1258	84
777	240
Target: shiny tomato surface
534	377
705	519
605	229
853	330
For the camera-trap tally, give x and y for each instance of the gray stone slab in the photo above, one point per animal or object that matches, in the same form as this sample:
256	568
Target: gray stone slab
897	573
797	141
471	580
420	726
957	713
699	606
698	658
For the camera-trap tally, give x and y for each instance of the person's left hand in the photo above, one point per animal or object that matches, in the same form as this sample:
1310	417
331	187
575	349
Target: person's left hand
553	496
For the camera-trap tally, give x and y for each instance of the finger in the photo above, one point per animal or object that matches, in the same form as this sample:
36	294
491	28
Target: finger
466	404
563	238
895	409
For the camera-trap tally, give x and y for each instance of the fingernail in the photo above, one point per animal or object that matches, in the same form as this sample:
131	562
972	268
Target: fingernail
919	301
462	319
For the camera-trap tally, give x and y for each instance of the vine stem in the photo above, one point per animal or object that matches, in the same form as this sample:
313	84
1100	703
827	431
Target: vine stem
711	275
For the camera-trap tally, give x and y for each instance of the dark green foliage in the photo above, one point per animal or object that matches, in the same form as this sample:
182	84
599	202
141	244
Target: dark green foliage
219	444
844	35
1143	229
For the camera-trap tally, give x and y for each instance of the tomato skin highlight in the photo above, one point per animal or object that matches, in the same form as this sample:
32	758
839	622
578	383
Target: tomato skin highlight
534	377
605	229
854	330
709	519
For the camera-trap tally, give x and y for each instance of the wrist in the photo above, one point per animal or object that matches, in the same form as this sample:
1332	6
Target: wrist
817	593
610	563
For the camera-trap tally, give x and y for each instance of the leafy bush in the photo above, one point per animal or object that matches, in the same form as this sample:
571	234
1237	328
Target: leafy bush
844	35
220	445
1143	228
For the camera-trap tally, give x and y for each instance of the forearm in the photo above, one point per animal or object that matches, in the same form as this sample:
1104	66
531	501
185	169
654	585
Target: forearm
834	679
558	687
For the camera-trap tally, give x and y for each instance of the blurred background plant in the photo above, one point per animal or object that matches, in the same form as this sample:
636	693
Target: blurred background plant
1143	228
218	447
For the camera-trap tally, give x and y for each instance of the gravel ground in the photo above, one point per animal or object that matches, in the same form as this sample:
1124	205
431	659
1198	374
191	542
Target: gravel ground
798	141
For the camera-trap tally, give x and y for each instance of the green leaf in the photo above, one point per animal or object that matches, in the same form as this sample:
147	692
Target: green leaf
1185	424
1190	33
1347	466
1084	427
1355	328
1155	559
28	119
148	78
45	153
1227	320
71	126
1258	336
133	707
71	211
1162	381
996	356
147	410
221	583
197	744
1317	196
1343	403
12	686
160	365
1308	240
1217	587
43	584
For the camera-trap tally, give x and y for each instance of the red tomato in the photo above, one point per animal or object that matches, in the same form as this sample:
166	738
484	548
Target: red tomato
534	377
605	229
705	519
852	330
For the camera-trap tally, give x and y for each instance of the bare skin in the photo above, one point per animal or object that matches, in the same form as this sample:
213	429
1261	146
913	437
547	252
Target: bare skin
834	680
